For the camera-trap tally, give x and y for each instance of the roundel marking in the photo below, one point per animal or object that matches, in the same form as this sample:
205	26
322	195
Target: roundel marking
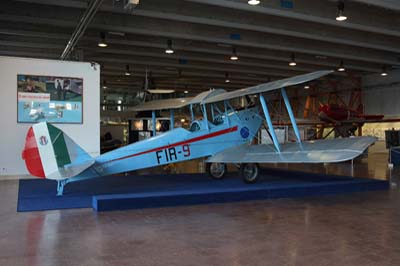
43	140
244	132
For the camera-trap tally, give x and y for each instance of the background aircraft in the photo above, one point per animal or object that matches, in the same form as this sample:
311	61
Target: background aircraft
223	135
335	113
340	119
345	121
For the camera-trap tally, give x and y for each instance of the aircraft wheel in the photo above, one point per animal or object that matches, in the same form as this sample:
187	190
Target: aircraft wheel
216	170
249	172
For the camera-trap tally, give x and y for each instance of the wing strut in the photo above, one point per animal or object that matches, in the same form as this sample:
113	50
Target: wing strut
226	112
153	119
171	122
191	112
269	122
291	115
205	116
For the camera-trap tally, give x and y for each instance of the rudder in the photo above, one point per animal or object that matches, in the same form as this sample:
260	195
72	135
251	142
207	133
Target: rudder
50	153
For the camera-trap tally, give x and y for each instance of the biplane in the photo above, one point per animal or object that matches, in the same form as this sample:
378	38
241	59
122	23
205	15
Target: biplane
222	135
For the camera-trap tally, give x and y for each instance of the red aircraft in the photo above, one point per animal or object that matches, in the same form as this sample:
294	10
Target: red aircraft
345	120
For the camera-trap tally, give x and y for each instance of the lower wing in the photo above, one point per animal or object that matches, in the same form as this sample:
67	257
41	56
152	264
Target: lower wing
318	151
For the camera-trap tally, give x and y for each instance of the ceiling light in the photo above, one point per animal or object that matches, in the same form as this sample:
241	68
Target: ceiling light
234	56
169	49
292	61
186	92
227	80
102	41
384	72
306	87
253	2
341	67
340	12
104	85
127	71
119	101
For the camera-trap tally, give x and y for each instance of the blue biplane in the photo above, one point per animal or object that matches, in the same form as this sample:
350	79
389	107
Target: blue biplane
223	135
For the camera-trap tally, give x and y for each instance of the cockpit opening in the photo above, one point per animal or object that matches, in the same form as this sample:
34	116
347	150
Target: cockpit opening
195	126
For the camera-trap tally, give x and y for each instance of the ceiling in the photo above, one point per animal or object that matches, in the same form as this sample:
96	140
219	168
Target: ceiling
203	33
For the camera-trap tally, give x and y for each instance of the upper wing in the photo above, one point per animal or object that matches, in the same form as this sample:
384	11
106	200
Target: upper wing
176	103
318	151
268	86
220	95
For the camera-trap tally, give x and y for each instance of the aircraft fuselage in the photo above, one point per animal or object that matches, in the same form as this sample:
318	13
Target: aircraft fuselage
179	145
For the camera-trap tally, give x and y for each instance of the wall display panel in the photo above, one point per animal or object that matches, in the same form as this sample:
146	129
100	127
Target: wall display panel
49	98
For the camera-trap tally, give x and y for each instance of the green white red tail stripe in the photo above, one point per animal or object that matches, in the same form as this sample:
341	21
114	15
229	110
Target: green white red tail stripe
59	146
46	153
31	155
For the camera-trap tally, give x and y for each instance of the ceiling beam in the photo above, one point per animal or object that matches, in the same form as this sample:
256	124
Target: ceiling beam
193	65
361	17
27	38
190	58
184	11
388	4
139	72
173	29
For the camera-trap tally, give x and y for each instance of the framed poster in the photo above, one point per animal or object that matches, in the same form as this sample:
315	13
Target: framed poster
52	99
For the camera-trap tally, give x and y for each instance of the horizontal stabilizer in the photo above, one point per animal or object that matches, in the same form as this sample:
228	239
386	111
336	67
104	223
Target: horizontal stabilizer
318	151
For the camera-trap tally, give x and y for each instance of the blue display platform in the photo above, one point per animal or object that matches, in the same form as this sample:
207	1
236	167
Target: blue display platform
131	192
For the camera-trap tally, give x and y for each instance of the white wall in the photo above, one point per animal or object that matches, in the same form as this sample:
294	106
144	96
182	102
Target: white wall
12	139
381	95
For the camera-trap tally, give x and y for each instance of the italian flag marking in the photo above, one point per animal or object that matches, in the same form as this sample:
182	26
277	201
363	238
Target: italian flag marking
52	149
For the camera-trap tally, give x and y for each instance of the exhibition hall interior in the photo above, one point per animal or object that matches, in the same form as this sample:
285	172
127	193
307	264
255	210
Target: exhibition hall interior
200	132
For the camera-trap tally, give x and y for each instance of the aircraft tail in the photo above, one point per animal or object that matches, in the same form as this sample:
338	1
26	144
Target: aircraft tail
50	153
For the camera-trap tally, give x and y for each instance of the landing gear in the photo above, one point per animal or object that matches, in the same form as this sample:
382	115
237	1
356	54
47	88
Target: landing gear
60	186
249	172
216	170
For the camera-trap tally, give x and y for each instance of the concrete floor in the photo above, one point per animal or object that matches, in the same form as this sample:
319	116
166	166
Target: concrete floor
353	229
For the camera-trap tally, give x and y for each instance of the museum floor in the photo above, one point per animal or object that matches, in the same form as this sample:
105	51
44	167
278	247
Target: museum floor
352	229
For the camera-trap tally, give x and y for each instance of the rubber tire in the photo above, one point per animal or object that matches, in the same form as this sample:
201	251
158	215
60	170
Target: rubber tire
255	175
209	172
